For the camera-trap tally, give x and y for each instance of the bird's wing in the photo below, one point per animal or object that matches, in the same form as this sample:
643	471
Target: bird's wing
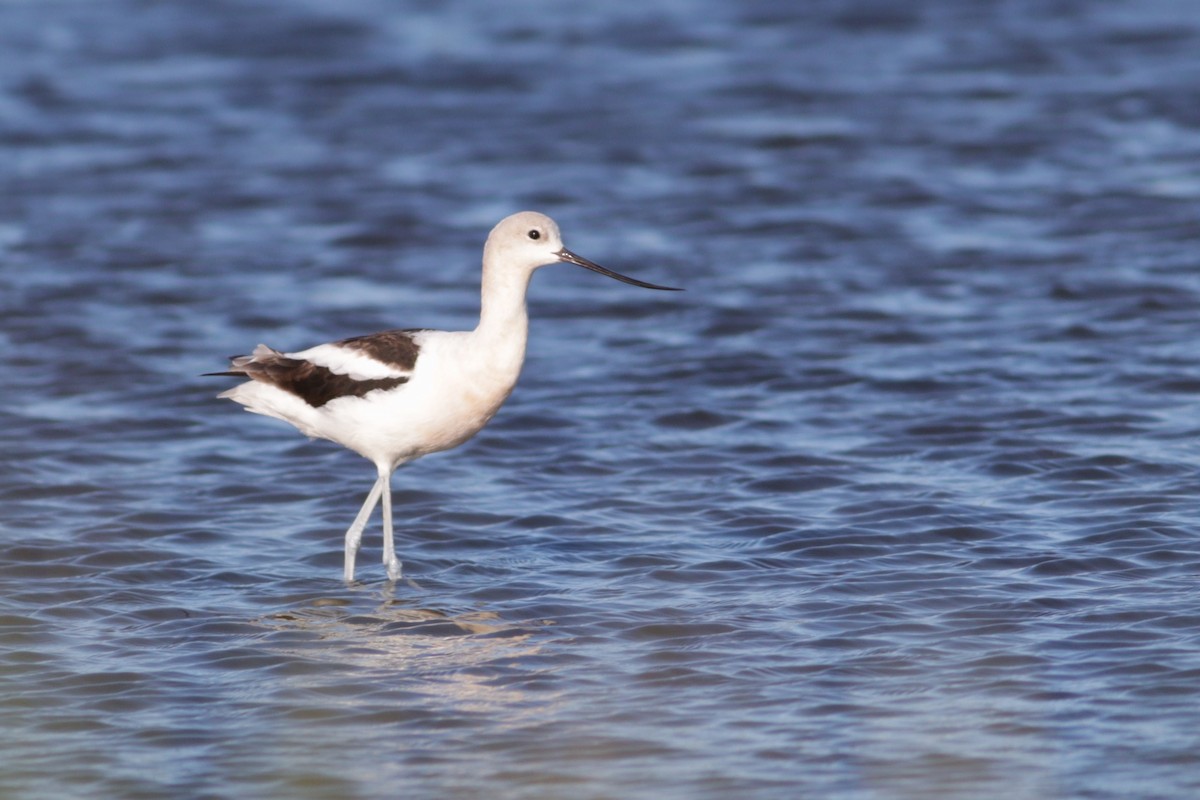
388	354
347	368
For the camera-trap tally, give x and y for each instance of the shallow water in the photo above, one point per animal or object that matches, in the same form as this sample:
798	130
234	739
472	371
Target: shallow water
899	500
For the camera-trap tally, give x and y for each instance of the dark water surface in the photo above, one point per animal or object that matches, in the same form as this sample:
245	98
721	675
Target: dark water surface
901	499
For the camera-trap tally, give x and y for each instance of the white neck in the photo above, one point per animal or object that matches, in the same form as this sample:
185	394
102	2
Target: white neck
503	325
502	312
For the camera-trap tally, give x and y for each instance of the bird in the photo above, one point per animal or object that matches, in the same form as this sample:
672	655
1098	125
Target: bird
400	394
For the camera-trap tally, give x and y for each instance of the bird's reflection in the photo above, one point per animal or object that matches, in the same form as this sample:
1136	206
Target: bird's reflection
456	657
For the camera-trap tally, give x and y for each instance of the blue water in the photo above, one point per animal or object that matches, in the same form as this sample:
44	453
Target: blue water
901	499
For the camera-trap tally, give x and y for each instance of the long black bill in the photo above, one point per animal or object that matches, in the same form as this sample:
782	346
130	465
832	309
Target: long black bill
579	261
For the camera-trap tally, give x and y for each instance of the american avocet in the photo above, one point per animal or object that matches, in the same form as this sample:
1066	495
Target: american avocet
395	396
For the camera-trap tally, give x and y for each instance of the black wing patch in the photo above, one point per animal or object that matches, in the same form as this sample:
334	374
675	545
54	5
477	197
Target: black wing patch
315	385
395	348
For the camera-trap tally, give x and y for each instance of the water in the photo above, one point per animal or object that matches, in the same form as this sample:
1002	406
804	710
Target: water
899	500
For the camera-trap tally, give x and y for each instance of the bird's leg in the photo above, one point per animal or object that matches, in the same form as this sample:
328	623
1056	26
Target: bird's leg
389	549
355	532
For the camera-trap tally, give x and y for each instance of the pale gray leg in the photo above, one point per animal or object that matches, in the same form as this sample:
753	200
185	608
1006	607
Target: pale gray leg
355	532
389	549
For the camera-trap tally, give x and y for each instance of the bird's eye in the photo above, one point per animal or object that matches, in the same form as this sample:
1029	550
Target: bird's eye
535	234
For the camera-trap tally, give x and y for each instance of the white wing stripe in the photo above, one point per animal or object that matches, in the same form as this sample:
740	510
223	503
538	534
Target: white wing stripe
352	363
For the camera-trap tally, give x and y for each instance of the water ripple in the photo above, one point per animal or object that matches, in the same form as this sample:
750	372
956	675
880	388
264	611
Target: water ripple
897	500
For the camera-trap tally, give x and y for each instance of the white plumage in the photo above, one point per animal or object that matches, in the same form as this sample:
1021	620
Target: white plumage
398	395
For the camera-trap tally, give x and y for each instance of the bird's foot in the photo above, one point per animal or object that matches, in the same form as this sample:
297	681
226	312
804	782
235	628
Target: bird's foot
393	569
